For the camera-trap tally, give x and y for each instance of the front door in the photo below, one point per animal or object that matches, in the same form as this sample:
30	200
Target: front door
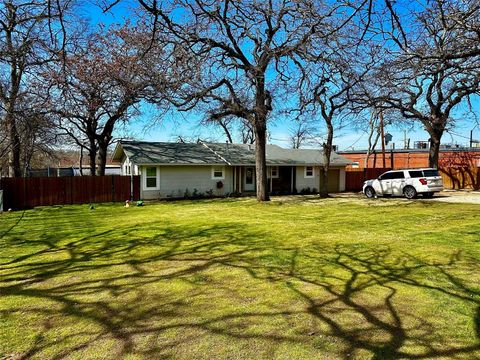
249	184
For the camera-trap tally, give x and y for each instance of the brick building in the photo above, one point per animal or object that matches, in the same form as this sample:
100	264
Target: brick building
460	167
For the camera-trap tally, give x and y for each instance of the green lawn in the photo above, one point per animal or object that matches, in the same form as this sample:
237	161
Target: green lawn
297	278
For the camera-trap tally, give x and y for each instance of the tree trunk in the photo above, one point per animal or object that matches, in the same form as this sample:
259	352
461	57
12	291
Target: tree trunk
80	161
14	168
327	151
435	137
92	157
262	107
261	161
102	158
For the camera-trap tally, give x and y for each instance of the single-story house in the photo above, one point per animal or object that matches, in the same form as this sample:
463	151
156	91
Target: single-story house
175	169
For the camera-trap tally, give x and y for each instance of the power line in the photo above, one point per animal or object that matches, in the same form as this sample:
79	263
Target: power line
459	135
356	141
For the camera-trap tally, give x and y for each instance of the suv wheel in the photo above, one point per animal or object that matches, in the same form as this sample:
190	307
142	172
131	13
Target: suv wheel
410	192
369	192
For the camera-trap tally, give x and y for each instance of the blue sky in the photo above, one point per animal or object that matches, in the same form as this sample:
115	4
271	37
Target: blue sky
169	127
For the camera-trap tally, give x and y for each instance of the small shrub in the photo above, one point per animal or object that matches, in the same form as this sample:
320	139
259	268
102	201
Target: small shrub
306	191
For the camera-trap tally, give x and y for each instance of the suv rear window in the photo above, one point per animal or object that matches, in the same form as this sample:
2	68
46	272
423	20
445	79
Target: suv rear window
428	173
416	173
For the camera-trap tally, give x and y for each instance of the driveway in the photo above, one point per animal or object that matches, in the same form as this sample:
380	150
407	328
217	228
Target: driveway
470	197
451	196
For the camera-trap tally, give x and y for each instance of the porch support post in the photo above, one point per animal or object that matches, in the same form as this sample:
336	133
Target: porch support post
240	179
234	171
271	180
291	179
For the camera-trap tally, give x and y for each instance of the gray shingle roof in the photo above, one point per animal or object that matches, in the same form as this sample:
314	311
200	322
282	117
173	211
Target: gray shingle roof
142	152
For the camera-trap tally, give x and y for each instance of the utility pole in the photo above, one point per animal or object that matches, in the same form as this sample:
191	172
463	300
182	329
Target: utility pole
383	138
471	135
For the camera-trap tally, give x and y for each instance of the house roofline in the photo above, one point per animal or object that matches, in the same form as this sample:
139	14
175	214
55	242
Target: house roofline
117	146
246	164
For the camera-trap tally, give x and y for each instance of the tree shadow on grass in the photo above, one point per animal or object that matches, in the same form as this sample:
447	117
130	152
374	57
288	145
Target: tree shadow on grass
376	270
118	285
6	232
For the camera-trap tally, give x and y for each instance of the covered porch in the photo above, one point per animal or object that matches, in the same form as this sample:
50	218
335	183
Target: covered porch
280	179
288	179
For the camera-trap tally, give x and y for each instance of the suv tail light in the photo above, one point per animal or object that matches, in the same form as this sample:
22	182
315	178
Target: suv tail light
423	181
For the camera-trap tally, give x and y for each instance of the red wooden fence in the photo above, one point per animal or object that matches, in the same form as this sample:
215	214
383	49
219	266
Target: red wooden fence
354	178
22	193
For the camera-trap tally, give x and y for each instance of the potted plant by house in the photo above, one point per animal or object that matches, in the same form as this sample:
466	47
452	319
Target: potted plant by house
220	188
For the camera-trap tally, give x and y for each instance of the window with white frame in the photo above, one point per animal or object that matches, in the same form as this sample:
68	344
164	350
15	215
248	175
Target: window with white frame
151	178
218	172
273	173
126	168
355	165
309	172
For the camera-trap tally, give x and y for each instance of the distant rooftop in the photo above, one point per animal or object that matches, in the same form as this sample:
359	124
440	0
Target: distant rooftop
442	149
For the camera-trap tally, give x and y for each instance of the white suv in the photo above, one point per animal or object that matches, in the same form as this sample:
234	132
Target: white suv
408	183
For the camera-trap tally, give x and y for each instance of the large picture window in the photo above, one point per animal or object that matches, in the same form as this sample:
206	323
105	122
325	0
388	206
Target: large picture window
151	180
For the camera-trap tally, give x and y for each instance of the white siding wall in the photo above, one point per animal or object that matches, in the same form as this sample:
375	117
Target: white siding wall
303	183
342	179
174	180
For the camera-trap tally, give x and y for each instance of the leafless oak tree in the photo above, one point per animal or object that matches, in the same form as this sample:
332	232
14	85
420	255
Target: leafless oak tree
244	47
332	68
431	68
100	85
30	34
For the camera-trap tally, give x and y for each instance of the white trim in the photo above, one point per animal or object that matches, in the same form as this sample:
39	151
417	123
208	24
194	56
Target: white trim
144	179
305	172
270	173
126	167
223	172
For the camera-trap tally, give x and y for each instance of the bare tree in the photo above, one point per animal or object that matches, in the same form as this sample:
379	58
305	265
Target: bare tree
373	135
300	134
100	85
334	67
235	129
431	69
245	48
30	32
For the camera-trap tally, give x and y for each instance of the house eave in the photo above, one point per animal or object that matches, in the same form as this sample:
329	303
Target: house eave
118	152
